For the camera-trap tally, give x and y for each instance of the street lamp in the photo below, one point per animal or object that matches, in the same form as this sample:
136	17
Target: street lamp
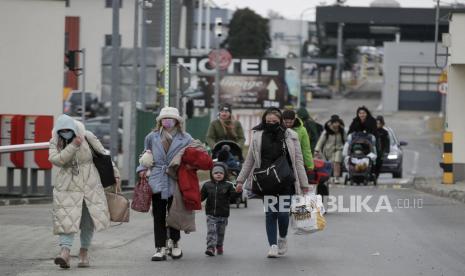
301	97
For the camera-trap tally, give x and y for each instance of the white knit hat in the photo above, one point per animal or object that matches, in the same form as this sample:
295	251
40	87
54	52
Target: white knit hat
170	112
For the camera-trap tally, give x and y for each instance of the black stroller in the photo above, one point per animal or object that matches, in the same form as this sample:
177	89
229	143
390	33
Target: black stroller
358	163
230	153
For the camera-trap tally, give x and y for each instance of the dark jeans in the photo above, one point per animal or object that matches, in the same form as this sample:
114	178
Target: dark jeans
159	209
276	221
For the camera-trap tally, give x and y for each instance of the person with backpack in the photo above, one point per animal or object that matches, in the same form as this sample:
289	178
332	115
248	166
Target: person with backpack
313	128
331	144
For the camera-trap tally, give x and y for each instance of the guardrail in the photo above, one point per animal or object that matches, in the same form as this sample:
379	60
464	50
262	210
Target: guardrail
24	147
24	171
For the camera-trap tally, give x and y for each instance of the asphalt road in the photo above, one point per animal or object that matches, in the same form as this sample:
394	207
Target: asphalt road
425	239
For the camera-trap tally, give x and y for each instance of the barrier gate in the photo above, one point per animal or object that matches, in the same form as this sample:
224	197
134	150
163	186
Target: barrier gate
16	129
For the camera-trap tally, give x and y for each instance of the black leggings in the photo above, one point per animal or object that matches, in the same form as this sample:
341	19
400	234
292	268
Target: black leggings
159	209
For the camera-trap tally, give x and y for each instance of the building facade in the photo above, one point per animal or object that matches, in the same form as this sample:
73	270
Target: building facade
31	75
88	25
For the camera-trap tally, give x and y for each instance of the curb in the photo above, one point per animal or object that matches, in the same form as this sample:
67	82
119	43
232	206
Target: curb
426	185
42	200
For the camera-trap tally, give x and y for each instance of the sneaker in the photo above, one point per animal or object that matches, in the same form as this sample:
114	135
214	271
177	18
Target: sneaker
282	246
160	254
210	252
273	252
337	180
219	250
175	251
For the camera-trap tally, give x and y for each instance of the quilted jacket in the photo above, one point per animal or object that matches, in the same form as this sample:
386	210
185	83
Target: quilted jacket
77	180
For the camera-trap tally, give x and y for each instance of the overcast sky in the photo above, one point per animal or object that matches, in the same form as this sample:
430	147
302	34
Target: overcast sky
291	9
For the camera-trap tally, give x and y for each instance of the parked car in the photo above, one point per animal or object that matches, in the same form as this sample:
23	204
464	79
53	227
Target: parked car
73	105
318	90
392	162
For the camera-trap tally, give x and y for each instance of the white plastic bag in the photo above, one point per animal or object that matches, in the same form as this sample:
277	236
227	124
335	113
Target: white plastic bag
307	214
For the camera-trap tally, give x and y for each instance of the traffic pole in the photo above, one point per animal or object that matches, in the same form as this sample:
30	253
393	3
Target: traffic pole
115	78
447	161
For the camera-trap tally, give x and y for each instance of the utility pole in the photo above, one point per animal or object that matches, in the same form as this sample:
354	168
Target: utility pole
115	79
132	134
339	57
83	88
167	50
301	95
143	57
218	35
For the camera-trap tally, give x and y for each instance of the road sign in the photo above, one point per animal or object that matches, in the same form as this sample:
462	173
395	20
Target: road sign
442	87
224	58
442	82
272	87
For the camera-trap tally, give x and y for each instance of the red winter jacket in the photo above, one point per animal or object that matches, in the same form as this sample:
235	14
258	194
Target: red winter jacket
187	177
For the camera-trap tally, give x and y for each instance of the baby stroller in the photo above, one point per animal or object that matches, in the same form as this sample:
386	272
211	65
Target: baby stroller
360	160
320	175
230	153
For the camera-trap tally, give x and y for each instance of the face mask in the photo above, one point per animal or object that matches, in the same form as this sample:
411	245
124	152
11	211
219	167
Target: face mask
271	126
168	123
67	135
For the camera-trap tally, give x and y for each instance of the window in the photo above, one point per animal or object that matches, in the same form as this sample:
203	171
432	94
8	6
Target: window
109	3
67	3
108	40
418	78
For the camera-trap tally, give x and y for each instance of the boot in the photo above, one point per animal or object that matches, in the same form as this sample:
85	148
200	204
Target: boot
63	258
83	258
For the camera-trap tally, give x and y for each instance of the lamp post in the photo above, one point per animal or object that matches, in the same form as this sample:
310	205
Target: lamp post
301	97
339	57
115	80
143	57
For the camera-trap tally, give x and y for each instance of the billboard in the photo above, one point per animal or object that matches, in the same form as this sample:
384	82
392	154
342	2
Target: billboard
246	83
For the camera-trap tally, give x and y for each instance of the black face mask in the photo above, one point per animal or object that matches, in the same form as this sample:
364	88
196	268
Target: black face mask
271	127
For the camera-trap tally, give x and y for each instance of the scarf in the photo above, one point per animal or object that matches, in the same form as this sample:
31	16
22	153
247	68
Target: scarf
167	138
229	128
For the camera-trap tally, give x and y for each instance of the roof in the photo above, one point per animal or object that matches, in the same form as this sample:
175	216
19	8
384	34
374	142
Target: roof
374	25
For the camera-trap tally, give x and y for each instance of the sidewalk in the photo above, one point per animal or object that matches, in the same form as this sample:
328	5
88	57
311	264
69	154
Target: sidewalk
17	200
434	186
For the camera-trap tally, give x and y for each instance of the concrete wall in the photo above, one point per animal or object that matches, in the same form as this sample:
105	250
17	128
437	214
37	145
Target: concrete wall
95	23
457	38
402	54
455	94
31	56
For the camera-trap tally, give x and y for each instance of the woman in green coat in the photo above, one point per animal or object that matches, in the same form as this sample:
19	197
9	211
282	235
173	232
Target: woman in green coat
225	128
291	121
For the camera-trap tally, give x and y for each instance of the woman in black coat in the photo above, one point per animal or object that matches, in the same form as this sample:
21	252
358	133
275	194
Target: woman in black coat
364	121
